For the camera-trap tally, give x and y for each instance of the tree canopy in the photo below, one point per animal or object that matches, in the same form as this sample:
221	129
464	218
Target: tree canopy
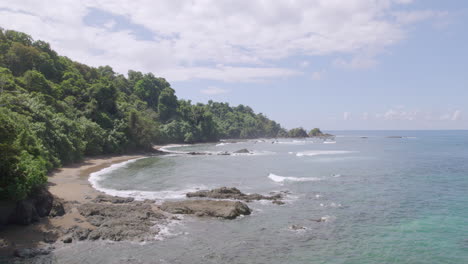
55	111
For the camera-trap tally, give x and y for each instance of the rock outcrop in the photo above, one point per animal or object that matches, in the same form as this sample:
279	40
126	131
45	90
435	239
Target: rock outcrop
223	209
127	221
242	151
112	199
231	193
40	204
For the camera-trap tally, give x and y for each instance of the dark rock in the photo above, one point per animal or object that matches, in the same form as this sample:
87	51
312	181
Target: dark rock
198	153
112	199
50	237
240	151
80	233
38	204
7	208
128	221
297	227
278	202
223	209
231	193
31	252
57	207
25	213
321	219
394	137
43	201
67	239
224	153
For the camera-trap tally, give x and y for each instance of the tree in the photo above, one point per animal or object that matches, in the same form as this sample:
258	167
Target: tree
167	104
297	133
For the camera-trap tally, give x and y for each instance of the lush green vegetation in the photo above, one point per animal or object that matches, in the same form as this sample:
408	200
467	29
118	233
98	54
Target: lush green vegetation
316	132
55	111
297	133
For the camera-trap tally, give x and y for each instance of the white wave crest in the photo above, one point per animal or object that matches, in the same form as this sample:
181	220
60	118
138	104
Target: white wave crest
96	178
277	178
329	142
167	149
323	152
295	142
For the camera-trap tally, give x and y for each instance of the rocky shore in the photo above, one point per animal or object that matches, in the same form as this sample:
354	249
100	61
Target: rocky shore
71	210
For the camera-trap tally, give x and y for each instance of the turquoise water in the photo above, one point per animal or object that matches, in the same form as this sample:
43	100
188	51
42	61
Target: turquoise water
385	200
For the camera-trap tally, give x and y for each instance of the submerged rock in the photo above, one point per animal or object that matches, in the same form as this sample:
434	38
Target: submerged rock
198	153
277	202
240	151
231	193
297	227
223	209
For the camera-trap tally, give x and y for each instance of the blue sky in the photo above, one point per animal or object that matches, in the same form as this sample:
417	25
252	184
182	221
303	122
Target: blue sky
355	64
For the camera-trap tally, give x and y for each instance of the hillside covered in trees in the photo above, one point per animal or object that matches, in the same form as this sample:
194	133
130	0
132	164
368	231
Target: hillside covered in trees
55	111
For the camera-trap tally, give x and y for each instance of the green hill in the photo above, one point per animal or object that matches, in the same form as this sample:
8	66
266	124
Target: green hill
55	111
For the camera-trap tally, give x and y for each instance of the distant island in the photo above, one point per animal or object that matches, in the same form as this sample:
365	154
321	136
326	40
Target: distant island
55	111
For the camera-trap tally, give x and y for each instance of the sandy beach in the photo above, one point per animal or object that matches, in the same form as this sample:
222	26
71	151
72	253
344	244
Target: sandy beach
71	184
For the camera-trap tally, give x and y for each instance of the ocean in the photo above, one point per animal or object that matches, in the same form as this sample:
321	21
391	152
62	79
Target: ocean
380	199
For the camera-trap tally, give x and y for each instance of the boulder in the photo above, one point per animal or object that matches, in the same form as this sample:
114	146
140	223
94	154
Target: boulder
231	193
240	151
27	211
223	209
297	227
79	233
57	207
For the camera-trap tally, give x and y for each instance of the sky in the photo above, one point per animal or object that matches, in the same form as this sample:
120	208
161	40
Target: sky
333	64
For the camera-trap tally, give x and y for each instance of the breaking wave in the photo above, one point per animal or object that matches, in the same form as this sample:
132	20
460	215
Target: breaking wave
323	152
277	178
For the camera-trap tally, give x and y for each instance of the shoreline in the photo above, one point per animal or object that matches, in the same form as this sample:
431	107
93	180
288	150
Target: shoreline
71	184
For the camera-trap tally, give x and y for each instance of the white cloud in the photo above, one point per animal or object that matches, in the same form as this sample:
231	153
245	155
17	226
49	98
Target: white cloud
212	90
456	115
346	116
249	37
227	73
403	114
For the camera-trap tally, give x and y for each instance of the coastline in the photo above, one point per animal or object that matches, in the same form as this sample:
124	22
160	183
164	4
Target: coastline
69	183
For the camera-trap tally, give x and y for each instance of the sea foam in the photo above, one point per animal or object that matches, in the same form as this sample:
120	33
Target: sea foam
167	149
277	178
323	152
97	177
